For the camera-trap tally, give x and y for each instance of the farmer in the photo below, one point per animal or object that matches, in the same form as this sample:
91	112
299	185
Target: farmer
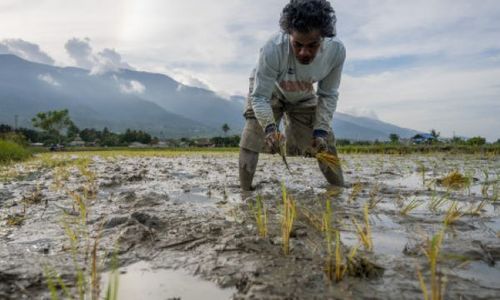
304	53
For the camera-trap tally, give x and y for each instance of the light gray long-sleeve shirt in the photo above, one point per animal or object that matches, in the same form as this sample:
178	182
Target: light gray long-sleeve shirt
278	71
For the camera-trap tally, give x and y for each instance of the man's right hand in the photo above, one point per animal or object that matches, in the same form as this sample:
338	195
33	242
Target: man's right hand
274	139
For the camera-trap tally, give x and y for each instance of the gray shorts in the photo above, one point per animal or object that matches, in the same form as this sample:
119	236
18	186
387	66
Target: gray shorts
298	123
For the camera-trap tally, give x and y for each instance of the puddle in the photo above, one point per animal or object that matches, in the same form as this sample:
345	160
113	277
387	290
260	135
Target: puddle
389	242
482	274
140	281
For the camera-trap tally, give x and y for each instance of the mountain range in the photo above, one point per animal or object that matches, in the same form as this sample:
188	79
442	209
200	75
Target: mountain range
152	102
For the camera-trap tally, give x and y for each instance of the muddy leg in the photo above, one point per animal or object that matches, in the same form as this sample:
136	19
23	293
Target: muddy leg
333	175
247	165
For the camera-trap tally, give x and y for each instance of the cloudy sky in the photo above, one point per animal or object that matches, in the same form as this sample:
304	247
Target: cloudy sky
418	64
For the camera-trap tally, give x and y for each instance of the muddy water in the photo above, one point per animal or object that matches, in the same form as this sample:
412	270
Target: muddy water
181	227
140	281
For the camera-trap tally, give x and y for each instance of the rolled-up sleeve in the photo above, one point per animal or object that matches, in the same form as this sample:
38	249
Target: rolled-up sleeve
266	75
328	93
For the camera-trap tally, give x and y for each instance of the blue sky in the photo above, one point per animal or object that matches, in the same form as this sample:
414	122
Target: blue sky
419	64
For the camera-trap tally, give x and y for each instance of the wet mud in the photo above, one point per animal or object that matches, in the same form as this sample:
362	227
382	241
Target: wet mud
185	216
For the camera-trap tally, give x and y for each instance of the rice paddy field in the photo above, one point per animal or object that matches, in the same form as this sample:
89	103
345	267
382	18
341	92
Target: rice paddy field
175	225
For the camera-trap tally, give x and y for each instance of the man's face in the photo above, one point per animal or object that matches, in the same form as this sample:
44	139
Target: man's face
305	45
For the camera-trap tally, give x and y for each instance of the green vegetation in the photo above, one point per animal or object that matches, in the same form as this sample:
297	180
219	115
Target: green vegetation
399	149
414	203
260	214
431	251
83	242
10	152
365	232
53	122
288	215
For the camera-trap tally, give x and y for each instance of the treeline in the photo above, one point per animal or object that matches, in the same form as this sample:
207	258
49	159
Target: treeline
107	138
89	136
474	141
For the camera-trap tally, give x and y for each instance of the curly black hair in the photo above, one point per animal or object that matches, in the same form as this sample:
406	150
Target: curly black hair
308	15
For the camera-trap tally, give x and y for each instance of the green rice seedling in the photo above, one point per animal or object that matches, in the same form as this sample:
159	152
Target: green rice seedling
326	228
421	168
414	203
53	280
15	219
495	193
475	210
329	159
339	266
80	203
260	214
112	289
486	184
61	174
431	251
364	233
436	202
327	217
453	213
34	197
313	220
423	286
287	218
357	187
374	198
334	264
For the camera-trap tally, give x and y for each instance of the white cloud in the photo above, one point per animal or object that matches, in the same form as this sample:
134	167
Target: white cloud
464	101
132	87
26	50
186	78
48	79
107	60
361	112
81	52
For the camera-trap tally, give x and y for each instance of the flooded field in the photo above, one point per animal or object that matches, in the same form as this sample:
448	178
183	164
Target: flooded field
177	226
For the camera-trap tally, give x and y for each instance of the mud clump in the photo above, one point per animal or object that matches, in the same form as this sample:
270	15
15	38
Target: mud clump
454	180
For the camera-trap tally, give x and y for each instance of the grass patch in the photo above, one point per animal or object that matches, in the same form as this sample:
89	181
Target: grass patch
11	152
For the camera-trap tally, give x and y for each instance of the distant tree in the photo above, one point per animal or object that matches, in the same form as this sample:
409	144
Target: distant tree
225	128
435	134
5	128
457	140
476	141
343	142
394	138
72	132
52	121
110	140
32	135
90	135
131	136
498	141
